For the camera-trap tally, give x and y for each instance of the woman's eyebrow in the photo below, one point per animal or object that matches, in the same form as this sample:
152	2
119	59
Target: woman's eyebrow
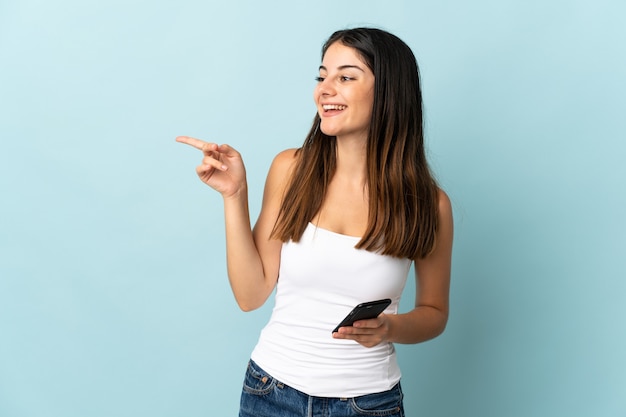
343	67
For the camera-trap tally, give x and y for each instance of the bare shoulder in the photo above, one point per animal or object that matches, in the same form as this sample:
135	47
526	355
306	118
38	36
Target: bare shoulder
445	218
281	167
444	205
284	160
280	172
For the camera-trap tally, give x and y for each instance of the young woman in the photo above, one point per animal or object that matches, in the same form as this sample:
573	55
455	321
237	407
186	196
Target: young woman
343	217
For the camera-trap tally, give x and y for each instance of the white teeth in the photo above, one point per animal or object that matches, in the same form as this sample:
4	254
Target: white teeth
333	107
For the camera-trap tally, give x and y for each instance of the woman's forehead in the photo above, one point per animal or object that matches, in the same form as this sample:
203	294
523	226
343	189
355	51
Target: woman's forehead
339	56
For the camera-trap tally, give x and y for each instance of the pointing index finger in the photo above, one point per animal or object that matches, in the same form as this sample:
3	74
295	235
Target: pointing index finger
196	143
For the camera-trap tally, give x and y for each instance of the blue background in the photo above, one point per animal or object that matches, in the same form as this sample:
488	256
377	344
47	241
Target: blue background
113	295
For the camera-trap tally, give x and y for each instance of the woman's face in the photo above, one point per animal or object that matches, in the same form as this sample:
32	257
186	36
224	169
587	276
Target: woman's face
345	93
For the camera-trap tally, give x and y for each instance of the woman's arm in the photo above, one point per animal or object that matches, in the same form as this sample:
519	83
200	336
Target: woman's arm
252	258
429	317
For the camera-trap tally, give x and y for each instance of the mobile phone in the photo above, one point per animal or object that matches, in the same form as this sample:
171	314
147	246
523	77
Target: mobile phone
364	311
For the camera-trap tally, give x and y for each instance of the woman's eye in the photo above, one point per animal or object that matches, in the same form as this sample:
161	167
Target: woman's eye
342	78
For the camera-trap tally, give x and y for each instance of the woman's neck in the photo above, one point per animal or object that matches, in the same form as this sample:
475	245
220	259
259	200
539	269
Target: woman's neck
351	159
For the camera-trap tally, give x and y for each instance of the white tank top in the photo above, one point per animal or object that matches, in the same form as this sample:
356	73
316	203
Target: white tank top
321	279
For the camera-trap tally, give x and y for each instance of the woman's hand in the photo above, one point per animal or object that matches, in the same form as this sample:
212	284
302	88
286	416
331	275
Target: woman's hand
368	333
222	167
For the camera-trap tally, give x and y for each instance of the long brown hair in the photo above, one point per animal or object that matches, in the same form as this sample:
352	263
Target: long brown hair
403	194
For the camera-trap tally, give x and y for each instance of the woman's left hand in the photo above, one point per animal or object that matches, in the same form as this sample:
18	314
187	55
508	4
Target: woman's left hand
368	333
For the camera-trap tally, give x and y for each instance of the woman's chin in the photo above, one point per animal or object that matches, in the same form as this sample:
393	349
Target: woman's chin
328	130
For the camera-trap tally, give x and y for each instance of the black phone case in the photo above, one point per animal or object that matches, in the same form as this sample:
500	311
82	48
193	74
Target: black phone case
364	311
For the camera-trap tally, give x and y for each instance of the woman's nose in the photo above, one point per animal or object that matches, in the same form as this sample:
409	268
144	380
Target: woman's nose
325	88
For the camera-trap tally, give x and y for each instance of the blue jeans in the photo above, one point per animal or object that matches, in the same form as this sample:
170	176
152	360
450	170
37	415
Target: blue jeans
264	396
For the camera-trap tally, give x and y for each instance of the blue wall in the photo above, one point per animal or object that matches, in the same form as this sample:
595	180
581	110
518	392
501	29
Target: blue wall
113	294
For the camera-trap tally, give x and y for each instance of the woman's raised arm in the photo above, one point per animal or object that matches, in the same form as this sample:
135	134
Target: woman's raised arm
252	257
